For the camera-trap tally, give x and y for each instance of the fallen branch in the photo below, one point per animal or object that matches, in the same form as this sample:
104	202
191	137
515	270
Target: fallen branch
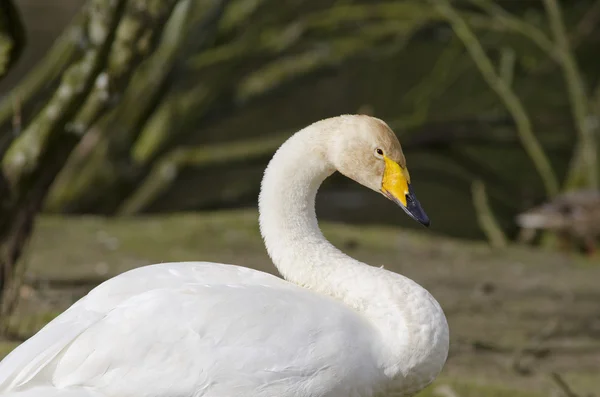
563	385
533	345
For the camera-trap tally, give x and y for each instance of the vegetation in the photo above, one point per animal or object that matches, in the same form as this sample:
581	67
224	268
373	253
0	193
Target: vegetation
131	95
155	106
12	36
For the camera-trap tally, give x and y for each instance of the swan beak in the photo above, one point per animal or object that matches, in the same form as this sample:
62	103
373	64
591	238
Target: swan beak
396	187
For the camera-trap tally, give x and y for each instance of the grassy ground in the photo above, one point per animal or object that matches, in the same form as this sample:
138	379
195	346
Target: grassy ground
515	315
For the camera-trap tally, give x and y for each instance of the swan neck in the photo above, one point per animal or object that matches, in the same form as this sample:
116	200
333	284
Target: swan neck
412	333
288	221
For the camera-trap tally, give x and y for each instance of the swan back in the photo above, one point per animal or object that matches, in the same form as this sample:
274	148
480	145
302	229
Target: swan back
336	328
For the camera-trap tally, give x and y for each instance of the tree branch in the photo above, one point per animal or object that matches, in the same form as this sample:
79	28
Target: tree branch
508	97
586	147
12	35
517	25
485	216
118	128
167	168
67	49
36	156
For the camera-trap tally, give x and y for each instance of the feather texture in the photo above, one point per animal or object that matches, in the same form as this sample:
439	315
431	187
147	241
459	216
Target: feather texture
335	327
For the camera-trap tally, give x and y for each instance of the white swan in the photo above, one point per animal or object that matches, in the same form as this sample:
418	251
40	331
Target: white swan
335	328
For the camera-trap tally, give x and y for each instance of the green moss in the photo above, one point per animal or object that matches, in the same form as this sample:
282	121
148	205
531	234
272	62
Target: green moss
5	49
472	389
7	347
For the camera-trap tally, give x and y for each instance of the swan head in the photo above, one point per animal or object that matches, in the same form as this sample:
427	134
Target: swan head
365	149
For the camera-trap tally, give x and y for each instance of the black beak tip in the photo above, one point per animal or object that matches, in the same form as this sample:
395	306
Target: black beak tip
414	209
420	216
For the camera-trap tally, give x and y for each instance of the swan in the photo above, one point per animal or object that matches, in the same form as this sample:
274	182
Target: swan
332	327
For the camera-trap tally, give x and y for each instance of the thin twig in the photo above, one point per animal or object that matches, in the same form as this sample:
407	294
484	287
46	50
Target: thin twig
517	25
586	147
586	25
17	121
506	94
563	385
532	345
583	28
507	65
485	216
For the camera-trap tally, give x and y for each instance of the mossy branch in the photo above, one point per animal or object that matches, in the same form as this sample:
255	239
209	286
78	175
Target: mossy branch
36	156
21	161
278	40
66	49
509	98
583	169
399	16
446	70
595	104
281	70
227	90
507	65
585	26
285	69
136	75
512	23
135	38
12	35
166	169
167	121
485	216
239	12
586	147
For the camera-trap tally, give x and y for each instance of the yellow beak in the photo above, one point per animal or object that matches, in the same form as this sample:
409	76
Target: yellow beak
396	187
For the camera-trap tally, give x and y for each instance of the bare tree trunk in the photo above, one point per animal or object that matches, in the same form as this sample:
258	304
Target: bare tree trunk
114	38
12	35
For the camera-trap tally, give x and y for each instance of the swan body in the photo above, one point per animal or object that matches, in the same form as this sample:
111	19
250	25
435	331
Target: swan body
335	327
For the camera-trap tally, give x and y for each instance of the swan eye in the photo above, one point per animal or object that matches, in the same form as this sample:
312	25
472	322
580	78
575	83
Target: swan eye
378	152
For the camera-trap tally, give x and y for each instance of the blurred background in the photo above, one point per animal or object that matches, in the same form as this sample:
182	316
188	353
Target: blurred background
137	131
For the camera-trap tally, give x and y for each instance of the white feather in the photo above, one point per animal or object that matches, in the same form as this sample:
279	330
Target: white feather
336	328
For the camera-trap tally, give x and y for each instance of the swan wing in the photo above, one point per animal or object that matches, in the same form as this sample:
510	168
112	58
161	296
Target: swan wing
24	362
33	355
198	329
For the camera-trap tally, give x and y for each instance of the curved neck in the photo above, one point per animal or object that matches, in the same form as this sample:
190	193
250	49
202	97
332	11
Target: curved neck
410	324
409	321
288	222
